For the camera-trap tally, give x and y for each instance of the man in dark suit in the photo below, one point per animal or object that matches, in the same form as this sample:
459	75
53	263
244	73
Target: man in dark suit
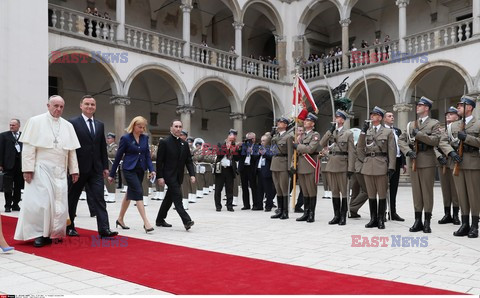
93	164
11	165
400	164
265	181
246	167
172	157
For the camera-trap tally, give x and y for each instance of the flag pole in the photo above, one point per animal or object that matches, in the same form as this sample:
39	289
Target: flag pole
294	193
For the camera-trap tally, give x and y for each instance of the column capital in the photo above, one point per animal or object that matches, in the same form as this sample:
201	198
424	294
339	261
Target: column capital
402	107
402	3
345	22
185	109
186	7
238	25
120	100
279	38
237	116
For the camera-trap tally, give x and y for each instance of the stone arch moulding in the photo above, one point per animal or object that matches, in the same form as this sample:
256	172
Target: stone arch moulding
347	9
278	108
418	73
233	97
116	82
234	8
306	13
171	77
275	17
359	84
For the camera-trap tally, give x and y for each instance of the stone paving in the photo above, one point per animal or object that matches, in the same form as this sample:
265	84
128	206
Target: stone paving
444	261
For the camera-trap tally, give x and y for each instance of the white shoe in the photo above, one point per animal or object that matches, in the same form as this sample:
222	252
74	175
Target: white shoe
124	189
235	201
205	190
210	188
192	198
199	194
185	204
110	198
145	200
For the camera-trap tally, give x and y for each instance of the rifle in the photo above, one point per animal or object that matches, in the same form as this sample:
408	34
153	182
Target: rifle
456	168
444	169
415	145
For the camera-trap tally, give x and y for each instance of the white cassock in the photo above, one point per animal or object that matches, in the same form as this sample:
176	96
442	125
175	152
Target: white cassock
48	151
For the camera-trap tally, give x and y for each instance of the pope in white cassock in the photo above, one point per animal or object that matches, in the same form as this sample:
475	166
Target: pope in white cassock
49	144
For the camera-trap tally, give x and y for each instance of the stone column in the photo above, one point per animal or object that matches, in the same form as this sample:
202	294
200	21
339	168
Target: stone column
402	24
476	17
121	20
120	114
238	43
476	111
238	123
281	55
185	113
345	45
186	8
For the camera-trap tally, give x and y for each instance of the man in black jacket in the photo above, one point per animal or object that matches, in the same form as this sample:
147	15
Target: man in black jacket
400	164
11	165
172	157
93	164
247	168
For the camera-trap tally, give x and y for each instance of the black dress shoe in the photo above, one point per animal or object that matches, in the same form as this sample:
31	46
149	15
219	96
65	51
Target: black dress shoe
15	208
299	210
42	241
354	214
163	224
396	217
107	234
189	224
219	209
72	232
268	209
245	208
8	210
257	208
230	209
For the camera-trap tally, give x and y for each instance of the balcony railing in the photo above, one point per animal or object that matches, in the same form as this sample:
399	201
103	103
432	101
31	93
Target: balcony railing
212	57
79	23
259	68
154	42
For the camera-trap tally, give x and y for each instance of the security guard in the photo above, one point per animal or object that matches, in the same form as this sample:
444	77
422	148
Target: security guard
307	166
376	149
446	178
341	164
467	182
417	142
282	147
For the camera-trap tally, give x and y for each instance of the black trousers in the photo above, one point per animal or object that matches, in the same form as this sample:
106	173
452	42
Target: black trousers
13	184
266	190
394	185
225	178
94	185
248	179
173	195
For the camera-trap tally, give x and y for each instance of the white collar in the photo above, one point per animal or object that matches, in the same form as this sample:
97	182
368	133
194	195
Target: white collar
468	119
339	129
85	118
388	126
424	119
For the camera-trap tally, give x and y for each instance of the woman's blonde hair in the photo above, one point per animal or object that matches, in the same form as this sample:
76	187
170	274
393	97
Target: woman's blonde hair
135	121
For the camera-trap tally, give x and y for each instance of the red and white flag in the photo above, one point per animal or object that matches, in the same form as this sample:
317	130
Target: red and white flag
303	90
306	92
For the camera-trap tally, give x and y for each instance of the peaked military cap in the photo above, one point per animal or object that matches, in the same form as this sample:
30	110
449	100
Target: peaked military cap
425	101
184	132
378	111
452	110
110	135
468	100
283	119
232	132
340	113
311	117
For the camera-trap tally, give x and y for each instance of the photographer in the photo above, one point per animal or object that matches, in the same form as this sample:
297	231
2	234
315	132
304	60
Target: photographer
246	167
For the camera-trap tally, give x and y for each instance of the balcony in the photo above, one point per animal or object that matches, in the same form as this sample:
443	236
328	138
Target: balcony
74	23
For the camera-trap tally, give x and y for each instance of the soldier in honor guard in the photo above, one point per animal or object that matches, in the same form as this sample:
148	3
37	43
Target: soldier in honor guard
282	146
308	167
341	164
112	148
417	142
376	149
466	132
449	192
197	158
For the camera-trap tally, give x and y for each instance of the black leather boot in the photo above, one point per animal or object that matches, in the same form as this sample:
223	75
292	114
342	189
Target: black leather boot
382	206
343	212
447	218
456	220
417	225
426	224
393	209
473	233
285	208
306	209
280	207
373	214
311	213
464	228
336	211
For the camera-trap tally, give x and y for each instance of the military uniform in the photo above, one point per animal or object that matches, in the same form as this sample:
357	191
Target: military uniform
423	178
197	158
376	149
282	145
341	161
361	196
111	152
467	183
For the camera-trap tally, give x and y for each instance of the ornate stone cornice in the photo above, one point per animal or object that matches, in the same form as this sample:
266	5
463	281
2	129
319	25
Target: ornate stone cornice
185	109
345	22
237	116
402	107
238	25
120	100
402	3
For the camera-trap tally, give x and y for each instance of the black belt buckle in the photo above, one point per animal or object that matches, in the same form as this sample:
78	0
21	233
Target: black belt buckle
373	154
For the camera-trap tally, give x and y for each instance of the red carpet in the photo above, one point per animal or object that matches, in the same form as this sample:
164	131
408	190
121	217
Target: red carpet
182	270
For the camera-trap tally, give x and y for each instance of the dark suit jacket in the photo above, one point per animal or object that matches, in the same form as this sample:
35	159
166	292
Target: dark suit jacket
92	155
132	153
8	151
265	170
172	156
398	132
254	156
